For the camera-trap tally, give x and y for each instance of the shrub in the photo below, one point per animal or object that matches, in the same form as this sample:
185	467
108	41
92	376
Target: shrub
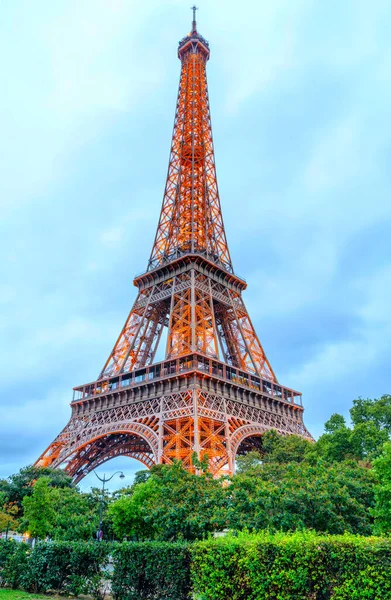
151	570
6	549
292	567
299	566
64	567
13	563
67	567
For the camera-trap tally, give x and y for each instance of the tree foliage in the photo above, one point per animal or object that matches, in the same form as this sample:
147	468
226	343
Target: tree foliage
284	449
382	509
61	513
340	483
7	521
63	567
174	504
17	486
9	513
171	504
248	461
39	512
371	428
286	497
303	565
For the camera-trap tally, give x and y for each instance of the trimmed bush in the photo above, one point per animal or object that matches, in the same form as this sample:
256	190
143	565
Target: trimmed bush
61	567
151	571
299	566
7	548
67	567
13	563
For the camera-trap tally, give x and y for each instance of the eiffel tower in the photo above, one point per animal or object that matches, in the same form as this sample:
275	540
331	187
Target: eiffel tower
215	394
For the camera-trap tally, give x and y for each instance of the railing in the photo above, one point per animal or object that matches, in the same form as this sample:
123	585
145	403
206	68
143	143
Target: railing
178	253
181	366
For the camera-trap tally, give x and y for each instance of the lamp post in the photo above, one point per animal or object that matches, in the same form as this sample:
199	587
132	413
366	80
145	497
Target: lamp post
104	480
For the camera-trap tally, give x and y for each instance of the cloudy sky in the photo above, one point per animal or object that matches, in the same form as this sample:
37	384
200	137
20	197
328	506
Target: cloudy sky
300	95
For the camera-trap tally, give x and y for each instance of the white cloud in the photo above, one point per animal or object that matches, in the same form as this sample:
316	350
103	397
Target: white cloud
336	158
52	406
77	71
267	47
112	236
347	358
40	351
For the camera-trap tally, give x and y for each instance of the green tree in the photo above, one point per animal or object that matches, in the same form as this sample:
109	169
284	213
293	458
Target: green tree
8	521
377	411
367	440
39	509
248	461
129	514
8	514
77	515
172	504
284	448
382	509
336	444
335	423
371	428
63	513
141	476
330	498
21	484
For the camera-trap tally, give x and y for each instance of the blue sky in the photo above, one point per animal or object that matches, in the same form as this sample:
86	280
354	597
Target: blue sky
300	92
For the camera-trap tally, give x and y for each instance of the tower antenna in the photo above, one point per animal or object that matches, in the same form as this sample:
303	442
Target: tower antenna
194	25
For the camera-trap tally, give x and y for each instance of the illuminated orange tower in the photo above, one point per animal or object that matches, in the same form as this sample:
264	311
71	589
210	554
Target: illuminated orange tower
215	393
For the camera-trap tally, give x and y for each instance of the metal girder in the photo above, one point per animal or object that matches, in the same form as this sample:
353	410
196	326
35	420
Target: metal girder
200	313
169	428
137	342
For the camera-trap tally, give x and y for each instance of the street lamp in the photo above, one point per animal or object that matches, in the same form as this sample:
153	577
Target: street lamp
104	481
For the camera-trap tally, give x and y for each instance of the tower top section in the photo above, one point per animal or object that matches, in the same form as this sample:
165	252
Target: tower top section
191	221
193	42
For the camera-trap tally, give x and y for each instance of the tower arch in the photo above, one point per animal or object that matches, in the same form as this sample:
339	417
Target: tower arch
251	435
104	448
93	446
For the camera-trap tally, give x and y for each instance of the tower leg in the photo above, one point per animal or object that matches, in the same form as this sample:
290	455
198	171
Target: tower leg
196	446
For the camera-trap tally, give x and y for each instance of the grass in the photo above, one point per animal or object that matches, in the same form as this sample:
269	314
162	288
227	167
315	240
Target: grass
16	595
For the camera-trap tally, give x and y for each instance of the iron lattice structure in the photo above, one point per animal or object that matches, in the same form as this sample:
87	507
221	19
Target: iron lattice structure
215	393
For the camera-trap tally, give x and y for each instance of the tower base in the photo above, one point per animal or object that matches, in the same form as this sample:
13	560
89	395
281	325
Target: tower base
170	411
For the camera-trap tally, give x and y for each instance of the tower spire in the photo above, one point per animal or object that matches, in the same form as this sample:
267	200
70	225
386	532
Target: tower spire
194	24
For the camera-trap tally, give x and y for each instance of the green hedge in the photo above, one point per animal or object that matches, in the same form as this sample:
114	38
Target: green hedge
151	570
13	563
299	566
62	567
